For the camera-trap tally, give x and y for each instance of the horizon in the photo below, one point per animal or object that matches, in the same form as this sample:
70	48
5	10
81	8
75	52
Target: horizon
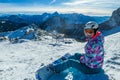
91	7
41	13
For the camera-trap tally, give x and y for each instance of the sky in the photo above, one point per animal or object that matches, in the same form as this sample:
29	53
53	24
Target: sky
88	7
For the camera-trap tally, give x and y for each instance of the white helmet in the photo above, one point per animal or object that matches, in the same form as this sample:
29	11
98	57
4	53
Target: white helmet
91	25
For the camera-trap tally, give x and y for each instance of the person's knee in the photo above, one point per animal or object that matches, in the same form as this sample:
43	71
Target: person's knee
77	54
71	61
93	71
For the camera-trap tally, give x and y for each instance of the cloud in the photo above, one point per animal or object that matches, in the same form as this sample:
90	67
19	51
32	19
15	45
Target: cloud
6	8
112	4
53	1
77	2
90	7
94	5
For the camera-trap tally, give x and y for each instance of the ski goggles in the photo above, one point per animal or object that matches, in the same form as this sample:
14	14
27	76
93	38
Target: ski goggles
90	31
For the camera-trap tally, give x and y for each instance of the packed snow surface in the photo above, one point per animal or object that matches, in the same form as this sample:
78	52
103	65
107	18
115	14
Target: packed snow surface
20	61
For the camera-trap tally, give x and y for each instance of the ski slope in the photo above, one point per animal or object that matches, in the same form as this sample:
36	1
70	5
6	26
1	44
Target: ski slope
20	61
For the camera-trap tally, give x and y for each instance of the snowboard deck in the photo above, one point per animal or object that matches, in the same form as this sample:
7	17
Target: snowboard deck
73	74
45	72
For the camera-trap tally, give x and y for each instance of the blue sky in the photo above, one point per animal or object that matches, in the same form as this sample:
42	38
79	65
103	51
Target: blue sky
89	7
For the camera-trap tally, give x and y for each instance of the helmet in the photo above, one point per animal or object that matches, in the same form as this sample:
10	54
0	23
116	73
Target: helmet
91	25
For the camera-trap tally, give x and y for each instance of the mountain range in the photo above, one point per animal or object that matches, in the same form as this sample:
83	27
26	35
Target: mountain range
71	25
13	22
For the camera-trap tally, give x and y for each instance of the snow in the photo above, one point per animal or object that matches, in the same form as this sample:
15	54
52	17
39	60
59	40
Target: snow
20	61
26	32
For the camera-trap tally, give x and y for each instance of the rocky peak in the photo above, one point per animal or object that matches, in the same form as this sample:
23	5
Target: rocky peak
115	18
55	14
113	22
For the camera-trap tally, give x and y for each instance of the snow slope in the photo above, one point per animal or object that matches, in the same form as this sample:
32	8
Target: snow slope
20	61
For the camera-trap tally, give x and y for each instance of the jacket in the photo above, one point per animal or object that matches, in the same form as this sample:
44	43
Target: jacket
94	51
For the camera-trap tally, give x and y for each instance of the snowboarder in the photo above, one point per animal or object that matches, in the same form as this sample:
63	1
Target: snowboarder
92	61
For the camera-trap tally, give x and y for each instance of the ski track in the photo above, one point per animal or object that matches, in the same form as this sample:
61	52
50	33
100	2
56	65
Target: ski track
20	61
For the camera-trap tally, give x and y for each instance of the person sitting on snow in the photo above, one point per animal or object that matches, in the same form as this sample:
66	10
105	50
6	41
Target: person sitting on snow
92	61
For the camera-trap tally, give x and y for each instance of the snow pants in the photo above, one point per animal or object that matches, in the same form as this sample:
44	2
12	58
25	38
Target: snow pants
74	62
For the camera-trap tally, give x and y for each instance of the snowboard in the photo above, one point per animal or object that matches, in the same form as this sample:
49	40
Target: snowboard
45	72
74	74
65	57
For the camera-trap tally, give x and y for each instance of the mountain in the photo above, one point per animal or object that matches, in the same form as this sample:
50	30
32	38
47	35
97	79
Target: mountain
9	25
35	18
113	22
70	24
74	18
54	23
14	22
82	19
68	19
27	32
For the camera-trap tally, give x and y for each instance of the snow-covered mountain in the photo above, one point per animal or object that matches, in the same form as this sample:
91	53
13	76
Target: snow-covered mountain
27	32
70	20
70	24
21	61
40	20
8	25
